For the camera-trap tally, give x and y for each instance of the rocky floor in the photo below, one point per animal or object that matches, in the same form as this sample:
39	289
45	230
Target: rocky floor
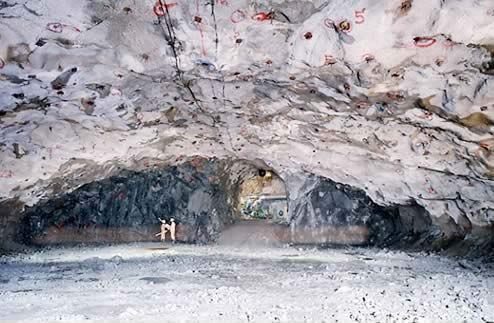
182	283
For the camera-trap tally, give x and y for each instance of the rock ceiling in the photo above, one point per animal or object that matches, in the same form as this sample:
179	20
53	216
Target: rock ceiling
394	98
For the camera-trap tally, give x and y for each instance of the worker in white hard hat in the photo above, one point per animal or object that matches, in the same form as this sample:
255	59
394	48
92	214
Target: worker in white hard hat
172	227
164	228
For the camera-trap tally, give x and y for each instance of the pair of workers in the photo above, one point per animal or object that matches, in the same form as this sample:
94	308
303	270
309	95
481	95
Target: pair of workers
165	227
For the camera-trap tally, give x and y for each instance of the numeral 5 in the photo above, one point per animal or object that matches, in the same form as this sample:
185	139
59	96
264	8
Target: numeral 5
359	14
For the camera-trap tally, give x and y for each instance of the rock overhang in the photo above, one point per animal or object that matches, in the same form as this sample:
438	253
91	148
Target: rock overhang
391	98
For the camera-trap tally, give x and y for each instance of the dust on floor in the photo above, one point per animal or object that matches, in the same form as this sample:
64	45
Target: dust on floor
152	282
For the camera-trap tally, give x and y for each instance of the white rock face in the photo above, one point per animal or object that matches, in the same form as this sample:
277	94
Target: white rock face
395	98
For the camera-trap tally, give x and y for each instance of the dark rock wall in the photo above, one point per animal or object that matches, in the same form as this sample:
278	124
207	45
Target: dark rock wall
201	194
127	207
10	211
319	202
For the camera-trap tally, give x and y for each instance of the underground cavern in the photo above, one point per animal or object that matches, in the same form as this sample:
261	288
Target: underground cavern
249	160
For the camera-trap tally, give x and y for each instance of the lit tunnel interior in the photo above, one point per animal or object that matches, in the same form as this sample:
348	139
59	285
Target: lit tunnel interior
333	157
206	197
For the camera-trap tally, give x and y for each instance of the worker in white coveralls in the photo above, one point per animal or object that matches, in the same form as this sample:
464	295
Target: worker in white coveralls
165	227
172	227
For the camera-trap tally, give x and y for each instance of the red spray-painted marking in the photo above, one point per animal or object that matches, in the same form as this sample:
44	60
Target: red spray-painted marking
307	36
225	3
490	12
424	42
201	31
329	23
485	145
115	92
332	25
238	16
57	27
2	63
360	15
160	9
261	16
6	174
348	30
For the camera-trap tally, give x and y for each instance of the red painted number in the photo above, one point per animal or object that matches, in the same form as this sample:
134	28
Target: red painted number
359	14
160	9
223	2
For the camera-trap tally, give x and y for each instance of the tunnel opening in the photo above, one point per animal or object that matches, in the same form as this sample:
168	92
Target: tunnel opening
231	202
259	202
262	196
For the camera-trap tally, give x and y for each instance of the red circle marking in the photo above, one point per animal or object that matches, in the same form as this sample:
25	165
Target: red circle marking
159	10
329	23
307	35
345	31
424	42
2	63
238	16
55	27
